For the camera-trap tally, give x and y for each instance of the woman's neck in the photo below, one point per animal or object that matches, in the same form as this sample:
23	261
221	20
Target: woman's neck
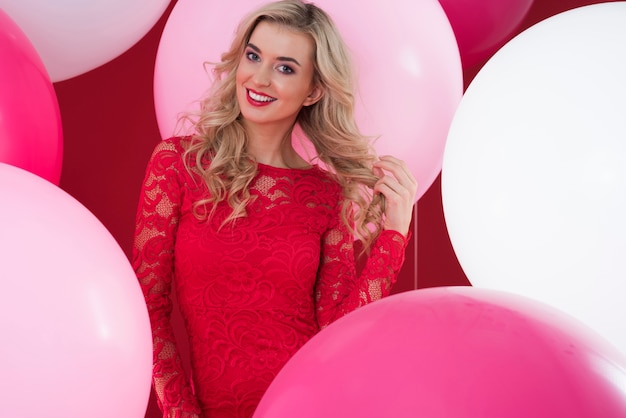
273	147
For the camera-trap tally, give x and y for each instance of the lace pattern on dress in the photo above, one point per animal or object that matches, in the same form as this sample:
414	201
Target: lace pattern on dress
252	293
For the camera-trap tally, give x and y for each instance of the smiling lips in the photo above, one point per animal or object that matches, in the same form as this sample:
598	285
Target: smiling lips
258	99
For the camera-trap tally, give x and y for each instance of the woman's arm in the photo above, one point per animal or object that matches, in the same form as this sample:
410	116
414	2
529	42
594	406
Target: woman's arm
338	289
153	261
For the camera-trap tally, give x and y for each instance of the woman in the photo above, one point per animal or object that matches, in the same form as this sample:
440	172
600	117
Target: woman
256	241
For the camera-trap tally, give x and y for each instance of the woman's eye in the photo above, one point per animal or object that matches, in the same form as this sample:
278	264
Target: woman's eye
285	69
252	56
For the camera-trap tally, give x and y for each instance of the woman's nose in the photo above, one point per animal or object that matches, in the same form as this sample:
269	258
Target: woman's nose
262	76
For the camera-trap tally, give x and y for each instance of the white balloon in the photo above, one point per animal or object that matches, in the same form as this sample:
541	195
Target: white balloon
534	169
76	36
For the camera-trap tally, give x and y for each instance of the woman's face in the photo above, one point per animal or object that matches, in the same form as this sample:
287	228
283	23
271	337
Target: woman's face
275	76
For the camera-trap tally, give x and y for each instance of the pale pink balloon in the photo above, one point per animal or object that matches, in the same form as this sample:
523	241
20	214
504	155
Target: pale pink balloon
76	338
451	352
31	135
407	60
483	26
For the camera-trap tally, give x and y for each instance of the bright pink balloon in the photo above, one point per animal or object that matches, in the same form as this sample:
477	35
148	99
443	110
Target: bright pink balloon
407	59
483	26
451	352
31	136
76	338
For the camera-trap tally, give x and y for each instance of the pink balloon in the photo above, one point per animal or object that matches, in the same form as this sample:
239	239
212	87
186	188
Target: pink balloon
451	352
76	337
483	26
30	121
407	61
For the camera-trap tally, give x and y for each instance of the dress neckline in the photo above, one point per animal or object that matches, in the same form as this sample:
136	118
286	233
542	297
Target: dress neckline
287	169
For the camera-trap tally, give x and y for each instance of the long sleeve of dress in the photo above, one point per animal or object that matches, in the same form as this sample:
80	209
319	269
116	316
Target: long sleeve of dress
153	253
339	290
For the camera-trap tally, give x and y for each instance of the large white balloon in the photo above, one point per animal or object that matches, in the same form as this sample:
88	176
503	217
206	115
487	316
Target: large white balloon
76	36
534	170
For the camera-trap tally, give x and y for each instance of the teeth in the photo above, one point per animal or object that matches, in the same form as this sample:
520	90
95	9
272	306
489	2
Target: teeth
260	98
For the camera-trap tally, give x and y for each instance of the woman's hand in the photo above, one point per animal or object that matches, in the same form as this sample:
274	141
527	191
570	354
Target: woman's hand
399	187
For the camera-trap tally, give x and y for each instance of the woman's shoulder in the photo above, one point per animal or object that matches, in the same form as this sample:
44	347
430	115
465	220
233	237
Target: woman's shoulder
328	179
177	144
323	174
169	153
172	147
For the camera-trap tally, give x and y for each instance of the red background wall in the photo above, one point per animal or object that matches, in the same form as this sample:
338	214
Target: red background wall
110	129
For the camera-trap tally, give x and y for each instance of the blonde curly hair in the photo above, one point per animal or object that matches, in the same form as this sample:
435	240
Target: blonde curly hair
329	124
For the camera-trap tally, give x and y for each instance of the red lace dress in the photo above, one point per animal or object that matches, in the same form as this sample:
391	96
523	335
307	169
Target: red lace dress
252	293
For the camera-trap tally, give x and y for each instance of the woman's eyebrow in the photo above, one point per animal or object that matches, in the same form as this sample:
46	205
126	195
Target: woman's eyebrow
258	50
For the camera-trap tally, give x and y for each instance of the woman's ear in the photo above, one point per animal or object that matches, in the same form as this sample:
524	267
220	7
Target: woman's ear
316	94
